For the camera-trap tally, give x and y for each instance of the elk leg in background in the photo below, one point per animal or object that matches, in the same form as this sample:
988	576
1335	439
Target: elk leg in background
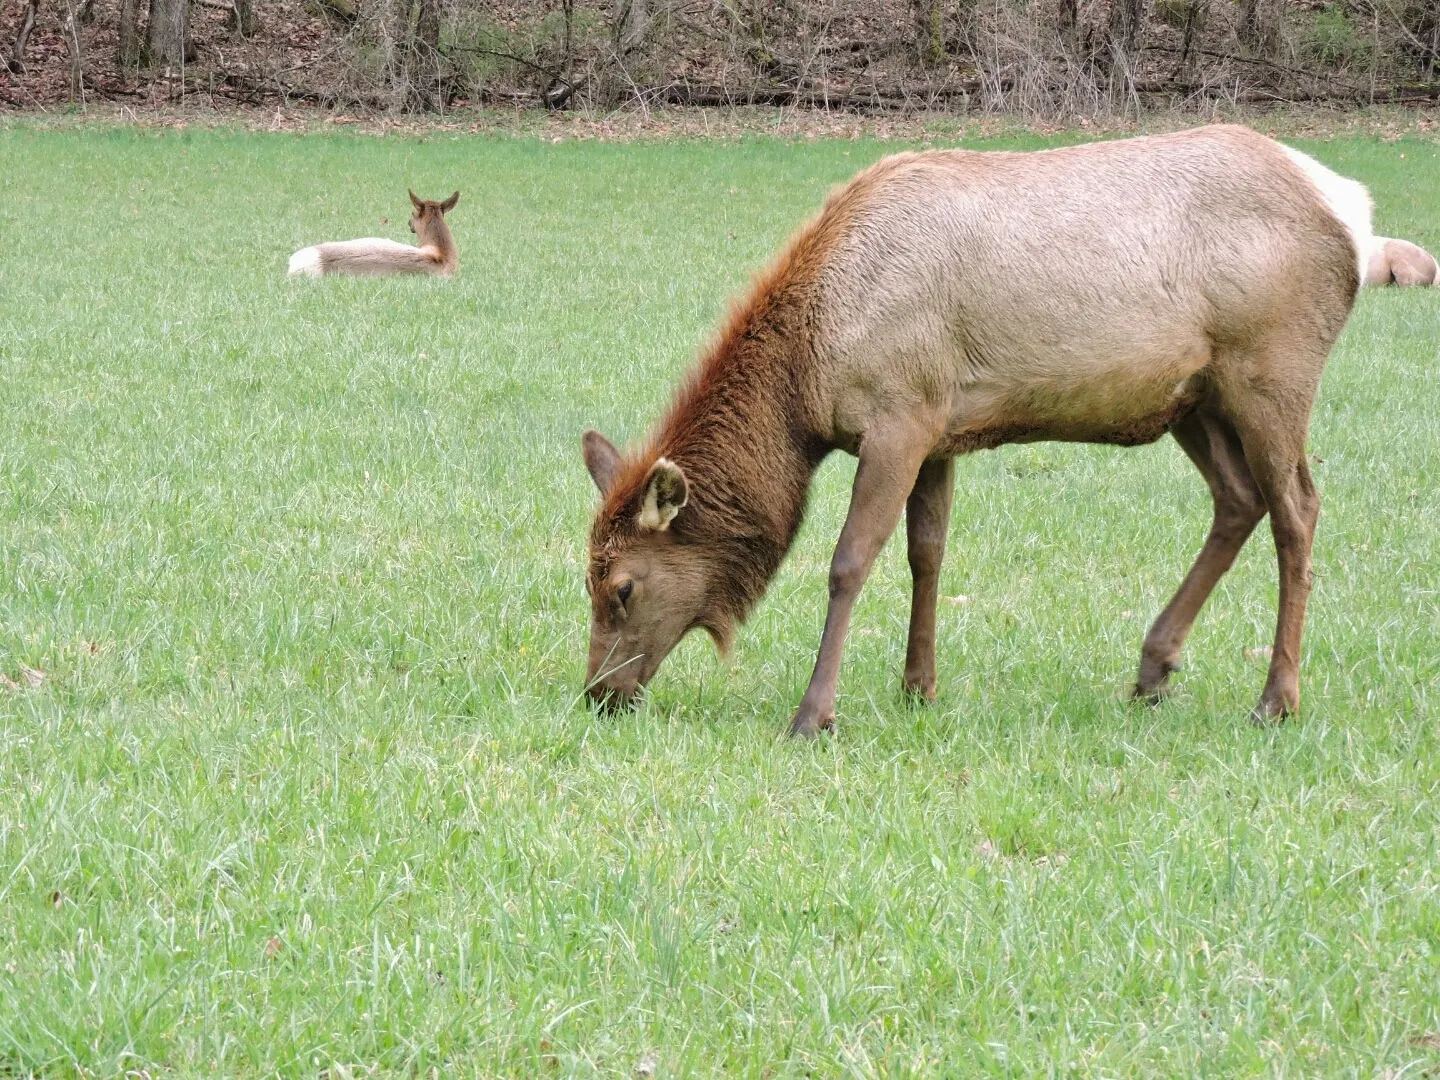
1213	446
927	520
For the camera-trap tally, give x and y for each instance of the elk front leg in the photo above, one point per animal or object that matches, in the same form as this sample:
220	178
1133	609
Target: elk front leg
887	472
927	520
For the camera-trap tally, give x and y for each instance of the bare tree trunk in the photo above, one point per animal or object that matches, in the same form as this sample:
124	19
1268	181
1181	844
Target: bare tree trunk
569	8
1126	17
243	19
424	54
557	95
16	63
929	30
127	51
169	34
1259	28
631	24
1194	24
1067	20
72	46
395	31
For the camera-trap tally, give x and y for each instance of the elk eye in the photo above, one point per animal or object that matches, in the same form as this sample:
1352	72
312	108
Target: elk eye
625	590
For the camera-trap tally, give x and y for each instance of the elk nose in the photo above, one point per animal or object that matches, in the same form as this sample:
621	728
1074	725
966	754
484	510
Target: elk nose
610	698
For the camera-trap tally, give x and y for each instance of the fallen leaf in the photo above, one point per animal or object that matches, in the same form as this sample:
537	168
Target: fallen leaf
648	1064
33	676
57	898
272	948
1430	1041
986	850
1260	653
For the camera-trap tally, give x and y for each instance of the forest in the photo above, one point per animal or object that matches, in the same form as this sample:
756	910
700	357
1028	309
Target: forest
1031	58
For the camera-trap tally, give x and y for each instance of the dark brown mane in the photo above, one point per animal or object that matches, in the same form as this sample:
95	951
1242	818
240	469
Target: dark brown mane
696	399
744	351
731	427
736	423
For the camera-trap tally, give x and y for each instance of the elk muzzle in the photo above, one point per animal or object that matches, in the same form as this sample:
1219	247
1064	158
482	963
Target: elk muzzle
613	681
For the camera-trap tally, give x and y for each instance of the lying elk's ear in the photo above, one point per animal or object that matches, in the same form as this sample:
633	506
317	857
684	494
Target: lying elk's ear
449	204
419	202
666	493
601	458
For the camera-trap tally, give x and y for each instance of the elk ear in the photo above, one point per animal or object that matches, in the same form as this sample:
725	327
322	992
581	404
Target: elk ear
419	202
449	204
666	493
601	458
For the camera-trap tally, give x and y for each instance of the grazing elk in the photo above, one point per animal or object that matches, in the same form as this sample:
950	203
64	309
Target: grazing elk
950	301
1398	262
374	257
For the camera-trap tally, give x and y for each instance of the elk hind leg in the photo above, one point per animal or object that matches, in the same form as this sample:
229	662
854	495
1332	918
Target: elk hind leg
1211	443
1274	440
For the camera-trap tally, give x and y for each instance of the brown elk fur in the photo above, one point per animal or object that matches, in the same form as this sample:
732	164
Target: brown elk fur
1191	283
436	254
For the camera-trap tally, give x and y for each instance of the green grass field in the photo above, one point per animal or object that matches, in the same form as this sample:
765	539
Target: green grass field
305	791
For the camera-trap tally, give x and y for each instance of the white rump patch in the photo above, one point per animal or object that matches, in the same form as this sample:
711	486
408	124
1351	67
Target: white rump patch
306	263
1348	201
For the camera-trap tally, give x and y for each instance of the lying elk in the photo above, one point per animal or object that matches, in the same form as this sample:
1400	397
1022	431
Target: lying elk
1398	262
950	301
374	257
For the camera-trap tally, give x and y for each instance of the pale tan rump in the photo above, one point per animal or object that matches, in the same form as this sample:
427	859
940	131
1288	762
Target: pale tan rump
1399	262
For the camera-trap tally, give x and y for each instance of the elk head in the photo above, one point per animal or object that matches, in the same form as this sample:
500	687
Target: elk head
428	215
649	583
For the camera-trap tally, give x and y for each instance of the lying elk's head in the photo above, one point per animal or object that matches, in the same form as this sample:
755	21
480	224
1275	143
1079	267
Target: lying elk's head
429	214
649	583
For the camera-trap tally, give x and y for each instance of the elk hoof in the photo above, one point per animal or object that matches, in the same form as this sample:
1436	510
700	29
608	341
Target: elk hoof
1270	713
1151	696
1153	685
919	689
809	722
